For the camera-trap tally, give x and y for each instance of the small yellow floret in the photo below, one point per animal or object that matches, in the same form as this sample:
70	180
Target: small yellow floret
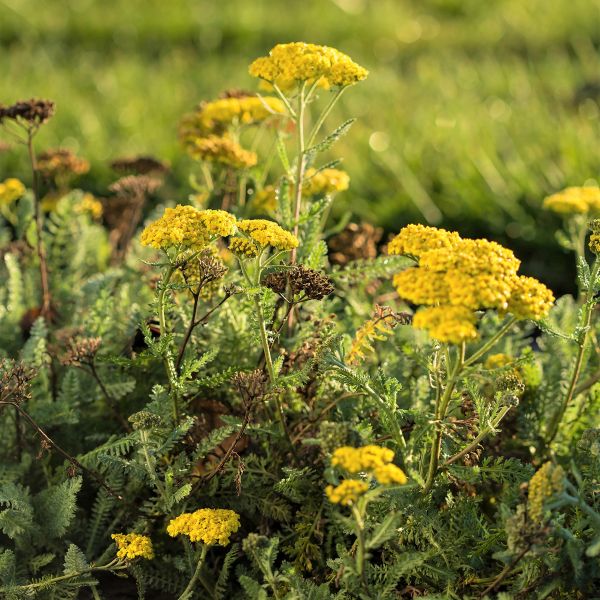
132	545
574	200
223	150
389	474
347	492
207	525
179	226
547	482
450	324
218	222
268	233
10	190
243	247
530	299
90	205
325	182
367	458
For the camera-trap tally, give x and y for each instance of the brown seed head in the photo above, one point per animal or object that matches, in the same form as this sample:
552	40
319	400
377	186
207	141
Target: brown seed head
135	185
32	112
313	284
140	165
252	385
61	162
81	351
15	381
355	242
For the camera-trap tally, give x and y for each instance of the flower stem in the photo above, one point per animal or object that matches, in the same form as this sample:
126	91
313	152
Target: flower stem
491	342
187	593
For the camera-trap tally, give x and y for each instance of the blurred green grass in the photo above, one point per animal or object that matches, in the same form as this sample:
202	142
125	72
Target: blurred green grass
472	113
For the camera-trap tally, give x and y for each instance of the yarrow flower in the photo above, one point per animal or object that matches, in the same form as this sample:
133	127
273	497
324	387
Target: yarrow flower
132	545
456	277
10	190
594	242
347	492
265	200
325	182
218	222
207	525
268	233
574	200
547	482
222	150
90	205
288	64
243	247
356	460
61	163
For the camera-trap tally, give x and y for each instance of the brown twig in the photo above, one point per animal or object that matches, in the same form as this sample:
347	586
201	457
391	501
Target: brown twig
504	573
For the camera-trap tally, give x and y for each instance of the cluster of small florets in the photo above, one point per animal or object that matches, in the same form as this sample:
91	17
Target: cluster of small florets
218	222
548	481
207	525
268	233
374	461
216	116
265	200
10	190
288	64
89	205
222	150
594	242
133	545
574	200
61	162
325	182
312	284
456	277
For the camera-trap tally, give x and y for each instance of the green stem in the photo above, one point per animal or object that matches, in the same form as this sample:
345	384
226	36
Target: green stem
190	586
360	557
300	164
150	465
491	342
324	115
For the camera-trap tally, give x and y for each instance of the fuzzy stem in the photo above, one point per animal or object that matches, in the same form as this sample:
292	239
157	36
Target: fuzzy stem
190	586
491	342
300	164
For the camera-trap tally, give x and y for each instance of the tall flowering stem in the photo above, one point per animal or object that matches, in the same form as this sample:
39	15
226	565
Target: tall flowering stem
187	593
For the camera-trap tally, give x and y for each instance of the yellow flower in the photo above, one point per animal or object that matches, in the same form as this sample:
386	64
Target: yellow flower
414	240
574	200
222	150
347	492
530	299
207	525
288	64
451	324
325	182
89	204
268	233
546	483
218	222
217	115
10	190
389	474
265	200
243	247
594	243
179	226
496	361
132	545
356	460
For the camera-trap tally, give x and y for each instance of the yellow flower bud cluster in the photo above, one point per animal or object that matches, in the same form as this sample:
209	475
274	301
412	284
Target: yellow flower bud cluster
207	525
222	150
10	190
288	64
243	247
458	276
325	182
574	200
132	545
268	233
547	482
594	243
374	461
218	222
90	205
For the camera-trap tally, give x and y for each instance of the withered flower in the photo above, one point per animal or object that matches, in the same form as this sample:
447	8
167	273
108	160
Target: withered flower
15	381
81	351
315	285
61	163
355	242
140	165
30	113
202	269
251	385
276	281
236	93
135	185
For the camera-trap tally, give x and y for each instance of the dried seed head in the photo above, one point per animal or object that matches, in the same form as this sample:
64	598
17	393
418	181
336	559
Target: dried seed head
81	351
355	242
135	185
60	162
140	165
276	281
315	285
236	93
15	381
203	269
144	420
251	385
32	112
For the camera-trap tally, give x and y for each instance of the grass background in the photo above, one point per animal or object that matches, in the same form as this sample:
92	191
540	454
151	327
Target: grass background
473	111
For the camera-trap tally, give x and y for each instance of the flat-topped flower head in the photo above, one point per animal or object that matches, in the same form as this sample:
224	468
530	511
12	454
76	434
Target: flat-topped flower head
389	474
207	525
10	190
574	200
547	482
288	64
133	545
325	182
356	460
268	233
218	222
530	299
181	226
347	492
451	324
414	240
222	150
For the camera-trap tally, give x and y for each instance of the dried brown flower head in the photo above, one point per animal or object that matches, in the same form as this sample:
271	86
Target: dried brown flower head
313	284
33	112
202	269
81	351
251	385
236	93
135	185
355	242
15	381
276	281
140	165
61	162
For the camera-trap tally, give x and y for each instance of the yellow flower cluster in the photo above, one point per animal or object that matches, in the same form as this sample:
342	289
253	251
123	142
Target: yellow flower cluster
546	483
288	64
222	150
325	182
218	222
132	545
265	200
90	205
10	190
497	361
458	276
215	116
243	247
594	242
207	525
347	492
268	233
574	200
375	461
451	324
